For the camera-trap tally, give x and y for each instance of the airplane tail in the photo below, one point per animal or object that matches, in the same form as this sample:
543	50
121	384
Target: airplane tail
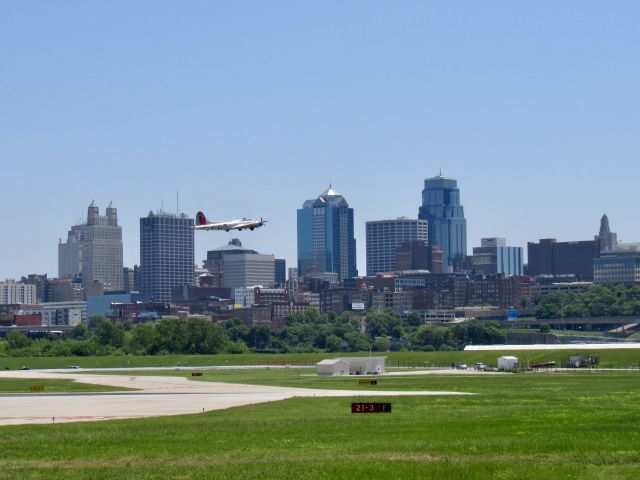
200	219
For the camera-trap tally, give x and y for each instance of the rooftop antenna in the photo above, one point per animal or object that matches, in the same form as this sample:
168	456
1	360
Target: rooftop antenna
440	171
177	201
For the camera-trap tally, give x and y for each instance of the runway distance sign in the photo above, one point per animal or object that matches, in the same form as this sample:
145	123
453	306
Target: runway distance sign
368	382
37	388
370	407
196	374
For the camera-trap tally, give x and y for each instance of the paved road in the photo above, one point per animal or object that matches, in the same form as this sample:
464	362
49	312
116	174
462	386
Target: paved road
157	396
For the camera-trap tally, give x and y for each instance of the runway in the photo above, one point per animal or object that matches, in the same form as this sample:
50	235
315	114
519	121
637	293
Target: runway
155	396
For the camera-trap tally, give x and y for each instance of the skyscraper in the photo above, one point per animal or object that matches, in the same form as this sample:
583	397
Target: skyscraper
447	225
607	240
385	236
166	254
325	236
93	250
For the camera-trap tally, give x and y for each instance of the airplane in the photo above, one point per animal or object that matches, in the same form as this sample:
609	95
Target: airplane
244	223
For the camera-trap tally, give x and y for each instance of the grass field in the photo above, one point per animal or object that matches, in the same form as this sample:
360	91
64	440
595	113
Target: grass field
524	426
23	385
608	358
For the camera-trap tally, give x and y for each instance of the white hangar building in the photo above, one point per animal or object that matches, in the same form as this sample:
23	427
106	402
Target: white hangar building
351	366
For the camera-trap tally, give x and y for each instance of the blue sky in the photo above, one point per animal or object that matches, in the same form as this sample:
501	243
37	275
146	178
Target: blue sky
250	107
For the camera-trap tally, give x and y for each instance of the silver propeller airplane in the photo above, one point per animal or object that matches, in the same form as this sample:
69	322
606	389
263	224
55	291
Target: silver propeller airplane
244	223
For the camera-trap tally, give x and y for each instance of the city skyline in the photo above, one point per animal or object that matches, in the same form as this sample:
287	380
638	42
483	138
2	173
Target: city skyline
247	109
227	237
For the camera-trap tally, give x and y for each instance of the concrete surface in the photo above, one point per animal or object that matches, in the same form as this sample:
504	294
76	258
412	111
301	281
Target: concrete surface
157	396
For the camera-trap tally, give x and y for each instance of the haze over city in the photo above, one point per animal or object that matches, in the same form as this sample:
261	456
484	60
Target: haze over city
250	109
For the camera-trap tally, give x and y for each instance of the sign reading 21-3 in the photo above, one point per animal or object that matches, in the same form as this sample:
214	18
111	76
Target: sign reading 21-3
370	407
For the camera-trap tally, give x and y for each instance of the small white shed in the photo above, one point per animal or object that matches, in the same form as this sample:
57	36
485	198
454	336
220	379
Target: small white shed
332	366
365	365
507	362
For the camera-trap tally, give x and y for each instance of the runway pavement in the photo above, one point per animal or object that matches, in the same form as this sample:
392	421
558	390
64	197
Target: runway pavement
156	396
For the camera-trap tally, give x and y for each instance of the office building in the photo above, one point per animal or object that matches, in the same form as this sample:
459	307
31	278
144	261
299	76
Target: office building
58	313
550	257
495	257
619	265
447	225
14	293
326	242
249	269
40	282
100	305
215	260
384	237
418	255
281	272
93	251
166	254
64	290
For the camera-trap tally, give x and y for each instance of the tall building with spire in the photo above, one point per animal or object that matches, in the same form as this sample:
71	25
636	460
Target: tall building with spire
447	225
326	242
93	250
606	239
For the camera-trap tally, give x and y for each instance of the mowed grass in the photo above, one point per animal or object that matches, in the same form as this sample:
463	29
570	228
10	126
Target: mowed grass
524	426
23	385
623	358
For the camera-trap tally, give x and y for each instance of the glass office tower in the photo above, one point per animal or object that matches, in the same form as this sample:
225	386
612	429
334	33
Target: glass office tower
325	236
447	225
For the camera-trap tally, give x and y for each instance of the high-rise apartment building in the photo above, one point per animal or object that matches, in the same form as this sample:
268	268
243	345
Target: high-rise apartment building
385	236
12	292
447	225
93	251
325	236
166	254
493	256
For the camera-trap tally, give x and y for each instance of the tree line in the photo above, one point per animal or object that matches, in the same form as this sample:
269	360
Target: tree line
306	331
598	301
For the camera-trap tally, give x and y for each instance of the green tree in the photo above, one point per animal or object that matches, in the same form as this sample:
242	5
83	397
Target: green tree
17	339
142	340
413	320
204	337
79	332
358	342
259	337
173	335
381	344
334	344
107	333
